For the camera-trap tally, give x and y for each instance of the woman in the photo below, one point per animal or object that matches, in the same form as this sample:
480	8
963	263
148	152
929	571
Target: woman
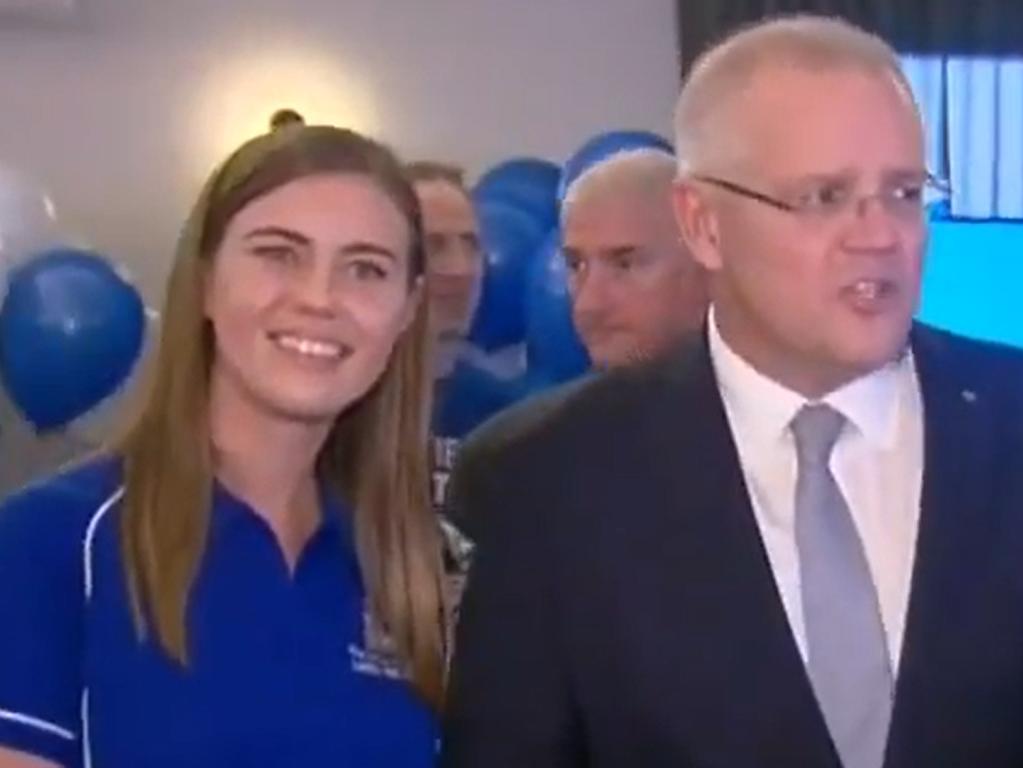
253	576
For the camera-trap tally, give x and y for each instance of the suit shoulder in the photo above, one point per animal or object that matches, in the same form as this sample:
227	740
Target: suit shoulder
517	422
598	400
971	357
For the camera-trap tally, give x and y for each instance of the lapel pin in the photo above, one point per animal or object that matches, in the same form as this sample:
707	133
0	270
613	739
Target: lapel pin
969	396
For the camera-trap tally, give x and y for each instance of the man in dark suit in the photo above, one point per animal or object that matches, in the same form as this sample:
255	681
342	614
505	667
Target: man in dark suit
798	540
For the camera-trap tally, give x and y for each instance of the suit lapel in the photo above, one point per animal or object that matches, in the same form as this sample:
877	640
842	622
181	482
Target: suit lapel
953	540
714	572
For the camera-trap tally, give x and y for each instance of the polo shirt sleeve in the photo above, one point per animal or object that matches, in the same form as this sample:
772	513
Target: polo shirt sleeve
41	622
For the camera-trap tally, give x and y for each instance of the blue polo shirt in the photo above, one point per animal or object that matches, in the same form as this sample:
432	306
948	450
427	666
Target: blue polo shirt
280	674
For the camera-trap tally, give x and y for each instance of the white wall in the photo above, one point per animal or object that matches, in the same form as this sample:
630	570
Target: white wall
122	111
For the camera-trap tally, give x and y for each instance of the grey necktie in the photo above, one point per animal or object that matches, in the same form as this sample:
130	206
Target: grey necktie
848	656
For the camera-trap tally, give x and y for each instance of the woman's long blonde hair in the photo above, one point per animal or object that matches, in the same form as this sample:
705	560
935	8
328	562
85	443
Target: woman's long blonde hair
375	455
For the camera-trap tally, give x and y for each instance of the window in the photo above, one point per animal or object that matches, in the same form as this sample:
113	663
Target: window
973	110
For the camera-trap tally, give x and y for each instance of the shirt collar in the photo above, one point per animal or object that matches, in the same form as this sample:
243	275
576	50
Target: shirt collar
228	509
871	403
766	407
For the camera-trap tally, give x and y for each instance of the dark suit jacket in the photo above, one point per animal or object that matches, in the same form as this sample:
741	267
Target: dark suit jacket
622	610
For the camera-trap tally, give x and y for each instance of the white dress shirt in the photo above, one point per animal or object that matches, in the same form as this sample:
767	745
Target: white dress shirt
877	463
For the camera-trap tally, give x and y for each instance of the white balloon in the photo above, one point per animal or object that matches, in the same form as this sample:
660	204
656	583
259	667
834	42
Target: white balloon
28	217
4	269
504	363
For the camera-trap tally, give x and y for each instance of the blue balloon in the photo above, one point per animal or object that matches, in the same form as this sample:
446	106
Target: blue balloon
602	146
71	329
554	351
526	182
510	238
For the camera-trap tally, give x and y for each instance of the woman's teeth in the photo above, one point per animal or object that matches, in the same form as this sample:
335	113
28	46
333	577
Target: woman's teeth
310	347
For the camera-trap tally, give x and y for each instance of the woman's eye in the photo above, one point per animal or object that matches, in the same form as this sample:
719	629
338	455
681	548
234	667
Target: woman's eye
367	270
278	253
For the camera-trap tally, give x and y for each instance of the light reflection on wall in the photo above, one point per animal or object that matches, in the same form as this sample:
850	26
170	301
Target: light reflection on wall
247	85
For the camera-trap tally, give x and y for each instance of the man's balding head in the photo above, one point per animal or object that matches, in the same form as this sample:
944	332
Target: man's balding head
634	287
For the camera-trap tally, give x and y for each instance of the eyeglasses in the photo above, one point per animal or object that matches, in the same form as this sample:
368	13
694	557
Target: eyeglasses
829	199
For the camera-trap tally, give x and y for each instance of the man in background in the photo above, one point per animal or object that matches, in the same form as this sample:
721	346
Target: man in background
634	286
454	275
454	259
635	289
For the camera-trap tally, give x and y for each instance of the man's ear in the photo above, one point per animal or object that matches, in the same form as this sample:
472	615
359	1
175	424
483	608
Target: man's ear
698	224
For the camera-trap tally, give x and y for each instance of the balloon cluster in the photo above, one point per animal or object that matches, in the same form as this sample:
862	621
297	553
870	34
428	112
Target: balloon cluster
525	311
72	325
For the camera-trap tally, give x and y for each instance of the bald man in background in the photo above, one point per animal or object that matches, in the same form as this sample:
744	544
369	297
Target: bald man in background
635	288
636	292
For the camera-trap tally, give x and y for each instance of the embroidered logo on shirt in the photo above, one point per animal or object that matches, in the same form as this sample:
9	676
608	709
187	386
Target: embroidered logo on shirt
377	656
